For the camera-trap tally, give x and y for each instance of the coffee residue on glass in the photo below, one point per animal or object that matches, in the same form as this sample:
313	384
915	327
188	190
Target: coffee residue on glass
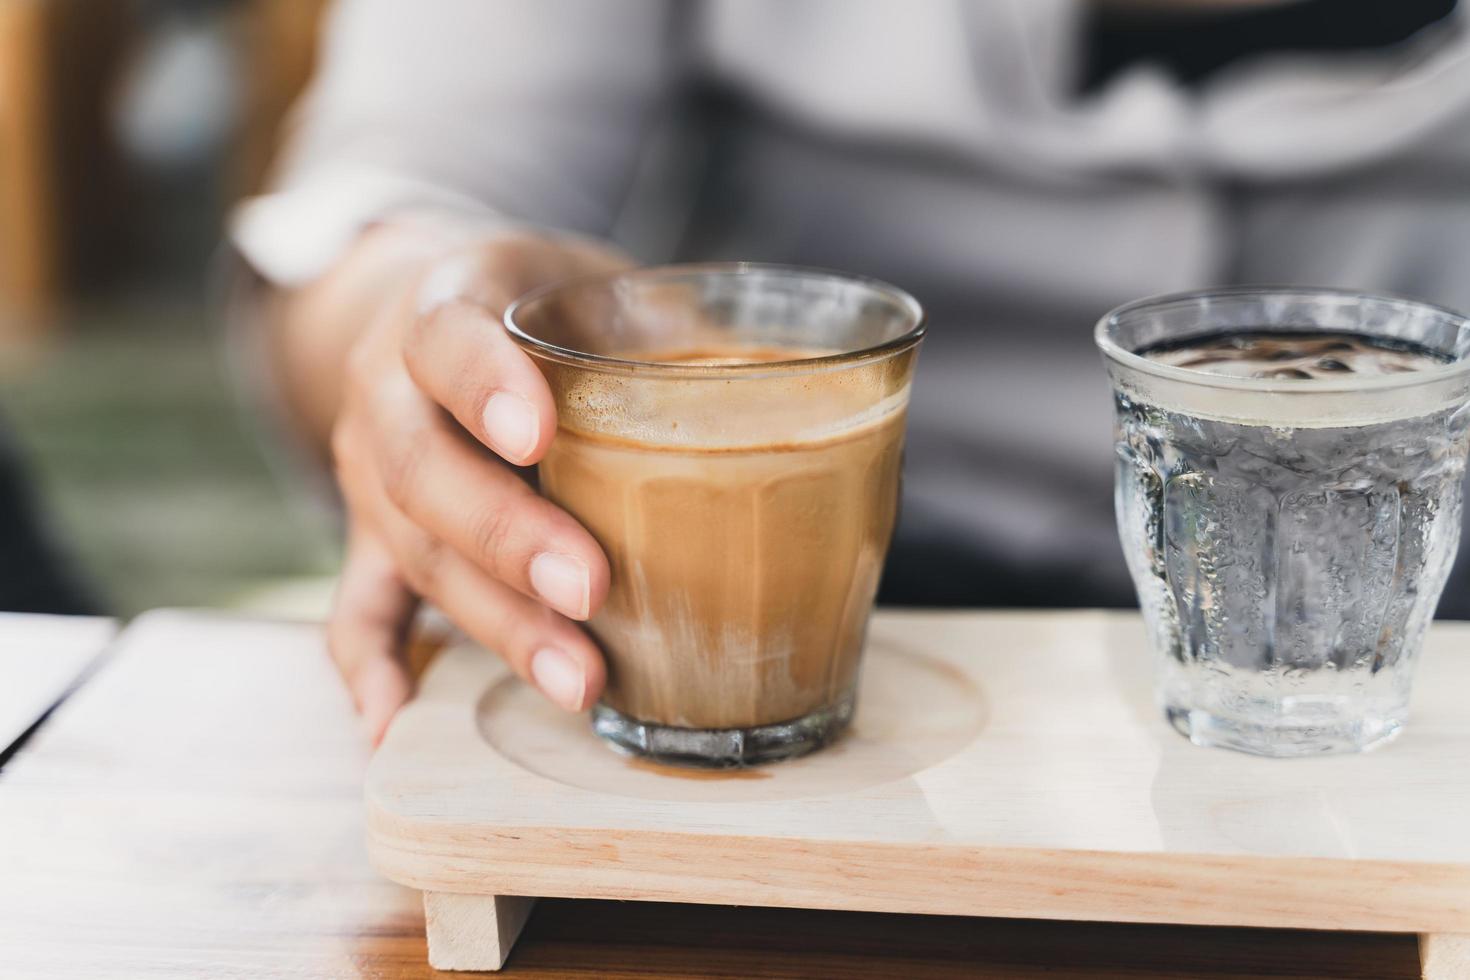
744	572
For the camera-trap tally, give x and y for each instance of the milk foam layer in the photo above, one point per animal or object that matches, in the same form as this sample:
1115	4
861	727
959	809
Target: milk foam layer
725	356
662	410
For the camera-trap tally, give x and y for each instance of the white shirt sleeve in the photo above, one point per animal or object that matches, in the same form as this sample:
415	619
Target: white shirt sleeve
502	111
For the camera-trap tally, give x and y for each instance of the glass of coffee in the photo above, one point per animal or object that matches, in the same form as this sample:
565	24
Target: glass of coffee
731	435
1289	468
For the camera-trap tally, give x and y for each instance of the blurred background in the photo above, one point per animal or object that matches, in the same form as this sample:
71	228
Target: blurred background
126	128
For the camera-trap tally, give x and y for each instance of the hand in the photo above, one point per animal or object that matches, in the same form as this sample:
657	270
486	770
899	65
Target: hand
437	399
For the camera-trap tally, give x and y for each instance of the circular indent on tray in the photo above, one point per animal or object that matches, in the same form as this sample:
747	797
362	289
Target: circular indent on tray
914	711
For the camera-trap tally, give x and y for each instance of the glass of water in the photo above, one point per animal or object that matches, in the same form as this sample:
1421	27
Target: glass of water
1289	469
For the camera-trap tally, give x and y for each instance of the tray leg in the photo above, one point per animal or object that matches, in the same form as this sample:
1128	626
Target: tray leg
473	932
1444	955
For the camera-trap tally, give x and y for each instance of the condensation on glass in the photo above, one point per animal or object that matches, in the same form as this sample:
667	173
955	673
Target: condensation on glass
1289	539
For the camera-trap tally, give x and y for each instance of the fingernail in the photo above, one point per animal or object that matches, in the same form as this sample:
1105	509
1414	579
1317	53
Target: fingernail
564	582
559	677
510	424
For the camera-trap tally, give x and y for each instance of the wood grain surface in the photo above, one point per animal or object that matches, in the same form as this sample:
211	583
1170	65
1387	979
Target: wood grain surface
1051	789
195	811
1444	956
40	658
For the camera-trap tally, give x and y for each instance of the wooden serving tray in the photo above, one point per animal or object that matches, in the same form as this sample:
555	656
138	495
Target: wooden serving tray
1001	764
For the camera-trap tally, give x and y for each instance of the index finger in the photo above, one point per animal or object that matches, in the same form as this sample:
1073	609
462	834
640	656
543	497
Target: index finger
460	356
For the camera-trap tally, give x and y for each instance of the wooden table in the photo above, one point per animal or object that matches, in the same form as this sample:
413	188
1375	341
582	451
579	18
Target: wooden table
195	810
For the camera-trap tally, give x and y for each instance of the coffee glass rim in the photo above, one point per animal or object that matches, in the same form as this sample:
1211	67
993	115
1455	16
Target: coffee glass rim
1111	349
902	299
